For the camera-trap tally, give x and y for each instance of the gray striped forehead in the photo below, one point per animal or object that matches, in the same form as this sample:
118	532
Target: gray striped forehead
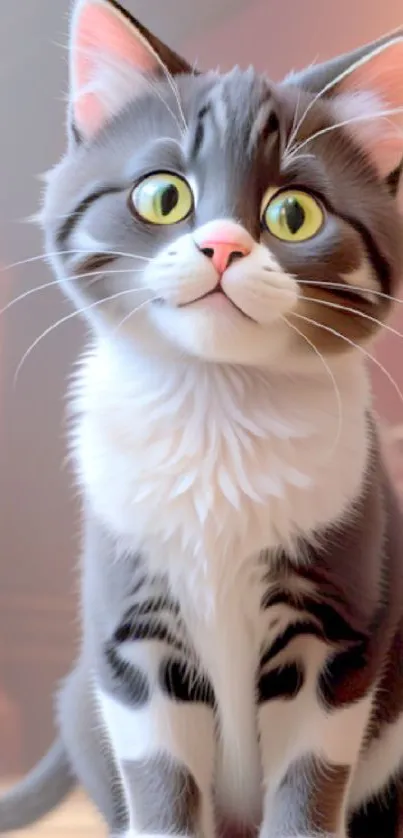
228	129
239	103
232	144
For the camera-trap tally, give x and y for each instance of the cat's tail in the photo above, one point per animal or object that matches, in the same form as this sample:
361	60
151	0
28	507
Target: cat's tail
39	792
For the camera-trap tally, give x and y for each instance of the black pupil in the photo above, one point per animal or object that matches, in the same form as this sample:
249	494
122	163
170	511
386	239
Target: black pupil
294	214
169	199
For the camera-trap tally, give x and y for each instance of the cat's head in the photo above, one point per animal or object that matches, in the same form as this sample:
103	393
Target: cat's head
226	217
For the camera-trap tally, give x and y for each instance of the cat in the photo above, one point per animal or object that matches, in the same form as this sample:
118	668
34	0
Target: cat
235	245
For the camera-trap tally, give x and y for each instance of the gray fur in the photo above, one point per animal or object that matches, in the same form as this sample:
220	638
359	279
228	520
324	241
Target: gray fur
309	801
42	790
166	797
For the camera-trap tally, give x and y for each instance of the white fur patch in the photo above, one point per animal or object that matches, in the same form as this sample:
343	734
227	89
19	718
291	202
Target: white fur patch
162	726
202	466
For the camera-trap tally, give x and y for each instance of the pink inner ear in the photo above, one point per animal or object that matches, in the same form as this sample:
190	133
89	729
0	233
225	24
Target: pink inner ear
102	31
381	76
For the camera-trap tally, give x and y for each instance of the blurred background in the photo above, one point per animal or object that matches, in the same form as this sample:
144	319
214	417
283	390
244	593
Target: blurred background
39	514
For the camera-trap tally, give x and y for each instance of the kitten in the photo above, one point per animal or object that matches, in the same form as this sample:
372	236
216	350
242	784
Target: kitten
234	245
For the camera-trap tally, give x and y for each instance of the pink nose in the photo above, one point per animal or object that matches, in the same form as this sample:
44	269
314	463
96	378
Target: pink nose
223	243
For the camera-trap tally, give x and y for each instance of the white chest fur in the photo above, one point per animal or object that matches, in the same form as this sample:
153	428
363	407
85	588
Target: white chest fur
199	464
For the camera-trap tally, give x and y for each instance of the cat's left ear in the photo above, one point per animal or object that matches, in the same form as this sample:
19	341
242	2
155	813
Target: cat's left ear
366	87
111	57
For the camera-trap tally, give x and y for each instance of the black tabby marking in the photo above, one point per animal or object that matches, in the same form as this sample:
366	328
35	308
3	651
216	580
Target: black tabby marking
379	263
345	677
147	621
151	605
302	627
284	682
278	596
334	627
139	584
70	223
393	180
95	262
147	630
184	683
199	132
381	816
272	127
125	679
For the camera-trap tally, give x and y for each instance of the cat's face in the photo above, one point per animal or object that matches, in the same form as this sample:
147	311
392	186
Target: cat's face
223	216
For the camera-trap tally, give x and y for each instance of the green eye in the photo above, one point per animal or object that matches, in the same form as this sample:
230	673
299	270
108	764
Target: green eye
292	215
162	198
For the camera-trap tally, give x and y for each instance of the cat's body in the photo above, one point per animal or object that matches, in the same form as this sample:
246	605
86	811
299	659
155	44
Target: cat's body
242	597
298	613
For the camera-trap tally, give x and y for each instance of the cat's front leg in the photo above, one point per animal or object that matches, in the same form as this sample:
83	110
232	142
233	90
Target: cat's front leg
159	715
312	718
309	801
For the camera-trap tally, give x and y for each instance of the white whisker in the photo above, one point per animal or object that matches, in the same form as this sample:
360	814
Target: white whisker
328	86
361	118
355	311
174	87
134	311
44	256
159	95
333	380
346	286
71	316
96	274
354	346
294	122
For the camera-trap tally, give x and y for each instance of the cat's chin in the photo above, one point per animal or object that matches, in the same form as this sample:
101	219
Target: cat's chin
213	329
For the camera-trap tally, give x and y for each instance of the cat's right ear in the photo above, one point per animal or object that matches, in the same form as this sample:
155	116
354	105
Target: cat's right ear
111	56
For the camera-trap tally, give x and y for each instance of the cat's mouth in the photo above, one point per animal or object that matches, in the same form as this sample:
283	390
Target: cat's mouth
219	294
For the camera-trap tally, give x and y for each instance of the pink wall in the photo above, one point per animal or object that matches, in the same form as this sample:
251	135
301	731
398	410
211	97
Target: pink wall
279	36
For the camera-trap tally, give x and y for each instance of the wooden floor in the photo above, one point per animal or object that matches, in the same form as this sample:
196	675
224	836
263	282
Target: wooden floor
74	819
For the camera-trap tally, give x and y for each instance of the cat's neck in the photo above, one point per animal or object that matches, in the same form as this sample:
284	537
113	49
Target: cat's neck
212	454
